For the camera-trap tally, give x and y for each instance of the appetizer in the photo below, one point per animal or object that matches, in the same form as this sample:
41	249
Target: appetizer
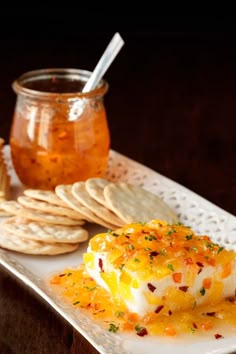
155	278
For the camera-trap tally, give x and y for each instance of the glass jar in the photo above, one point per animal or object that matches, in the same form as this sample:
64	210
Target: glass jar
59	135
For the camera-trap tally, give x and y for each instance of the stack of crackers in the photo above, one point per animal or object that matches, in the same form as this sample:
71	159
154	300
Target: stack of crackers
52	222
41	224
4	178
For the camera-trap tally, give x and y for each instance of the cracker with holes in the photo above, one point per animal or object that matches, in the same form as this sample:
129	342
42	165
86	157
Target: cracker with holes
135	204
45	195
39	231
4	213
95	187
12	242
5	179
65	192
80	192
49	208
15	208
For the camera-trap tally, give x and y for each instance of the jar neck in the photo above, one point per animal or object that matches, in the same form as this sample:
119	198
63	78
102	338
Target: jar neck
57	84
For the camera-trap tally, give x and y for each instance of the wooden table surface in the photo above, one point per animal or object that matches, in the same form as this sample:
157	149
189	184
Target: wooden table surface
171	105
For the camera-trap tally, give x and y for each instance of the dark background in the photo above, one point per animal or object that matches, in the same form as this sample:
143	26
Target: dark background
172	95
171	105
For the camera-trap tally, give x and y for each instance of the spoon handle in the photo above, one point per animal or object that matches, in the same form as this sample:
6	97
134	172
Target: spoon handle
105	61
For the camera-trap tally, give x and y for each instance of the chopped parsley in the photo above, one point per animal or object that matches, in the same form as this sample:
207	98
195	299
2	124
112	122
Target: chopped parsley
202	291
162	252
220	250
150	238
113	328
170	232
209	245
90	288
170	266
193	330
121	267
138	328
113	233
194	249
76	303
119	313
141	331
189	237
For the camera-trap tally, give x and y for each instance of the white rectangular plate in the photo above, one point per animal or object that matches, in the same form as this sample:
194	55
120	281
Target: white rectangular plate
193	210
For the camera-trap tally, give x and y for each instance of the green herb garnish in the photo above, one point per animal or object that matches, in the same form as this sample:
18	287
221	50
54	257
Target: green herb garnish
189	237
150	238
170	232
90	289
147	249
76	303
220	250
194	249
119	313
202	291
162	252
113	328
170	266
112	233
121	267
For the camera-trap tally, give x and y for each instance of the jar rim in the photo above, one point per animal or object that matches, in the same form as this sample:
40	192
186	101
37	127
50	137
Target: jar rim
19	83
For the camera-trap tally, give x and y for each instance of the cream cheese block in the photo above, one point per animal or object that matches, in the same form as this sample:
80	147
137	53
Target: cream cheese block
157	267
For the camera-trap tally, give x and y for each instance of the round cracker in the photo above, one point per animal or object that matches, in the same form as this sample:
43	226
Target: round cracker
65	192
135	204
12	207
80	192
4	213
45	195
44	232
15	243
15	208
31	203
95	187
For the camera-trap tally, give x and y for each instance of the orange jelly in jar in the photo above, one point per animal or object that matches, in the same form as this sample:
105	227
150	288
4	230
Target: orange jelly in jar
59	135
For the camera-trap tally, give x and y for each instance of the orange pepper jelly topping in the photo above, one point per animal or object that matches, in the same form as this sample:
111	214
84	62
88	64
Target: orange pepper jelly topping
59	135
155	279
60	151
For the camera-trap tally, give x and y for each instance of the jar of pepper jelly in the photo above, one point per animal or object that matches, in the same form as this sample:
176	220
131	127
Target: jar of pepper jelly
59	135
